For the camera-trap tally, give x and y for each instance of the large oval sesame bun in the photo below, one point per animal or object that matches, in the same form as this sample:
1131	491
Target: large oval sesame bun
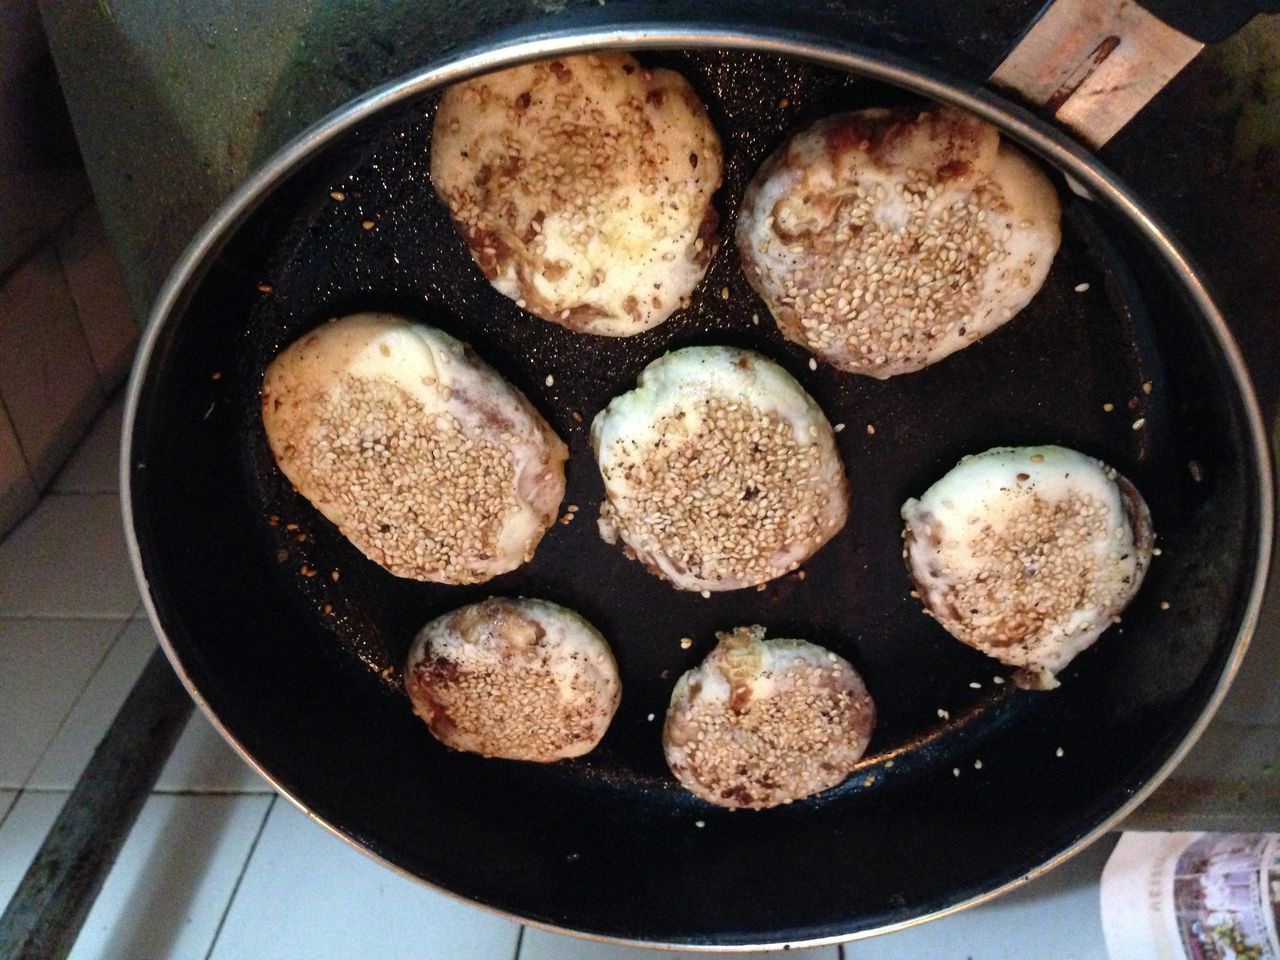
423	456
765	722
583	187
720	472
885	240
1028	554
520	679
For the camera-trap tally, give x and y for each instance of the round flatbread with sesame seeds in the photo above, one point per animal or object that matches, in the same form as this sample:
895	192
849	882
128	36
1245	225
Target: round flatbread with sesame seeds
423	456
1028	554
582	187
519	679
885	240
764	722
720	472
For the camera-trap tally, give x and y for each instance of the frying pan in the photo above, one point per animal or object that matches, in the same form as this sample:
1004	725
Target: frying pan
292	642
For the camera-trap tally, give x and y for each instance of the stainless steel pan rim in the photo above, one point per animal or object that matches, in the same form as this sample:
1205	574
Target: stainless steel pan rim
1033	133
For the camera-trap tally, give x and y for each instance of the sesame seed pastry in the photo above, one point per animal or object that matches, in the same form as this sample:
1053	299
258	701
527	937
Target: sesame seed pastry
423	456
582	187
720	472
1028	554
520	679
885	240
764	722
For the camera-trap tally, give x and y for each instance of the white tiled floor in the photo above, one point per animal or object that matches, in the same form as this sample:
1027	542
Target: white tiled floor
306	894
44	666
21	834
68	559
168	891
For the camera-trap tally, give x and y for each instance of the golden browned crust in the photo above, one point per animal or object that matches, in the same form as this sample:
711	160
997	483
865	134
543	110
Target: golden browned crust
582	187
884	240
762	723
520	679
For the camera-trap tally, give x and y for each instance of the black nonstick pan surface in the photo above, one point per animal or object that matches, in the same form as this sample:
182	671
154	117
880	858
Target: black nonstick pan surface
294	642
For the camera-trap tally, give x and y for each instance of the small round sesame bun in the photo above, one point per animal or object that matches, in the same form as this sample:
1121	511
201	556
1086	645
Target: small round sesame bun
885	240
425	458
583	187
1028	554
519	679
765	722
720	472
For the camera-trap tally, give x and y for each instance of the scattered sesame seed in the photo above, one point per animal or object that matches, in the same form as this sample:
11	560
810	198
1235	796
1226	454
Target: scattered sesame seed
813	364
1196	471
1059	752
216	375
686	643
784	103
291	527
888	764
724	293
1164	604
1156	551
1146	386
522	303
1081	287
699	824
760	588
800	574
997	680
368	224
943	714
974	684
706	594
550	381
871	429
335	576
1037	458
839	428
1139	423
572	508
308	571
955	771
651	718
265	287
977	764
755	319
327	608
337	195
1108	407
577	417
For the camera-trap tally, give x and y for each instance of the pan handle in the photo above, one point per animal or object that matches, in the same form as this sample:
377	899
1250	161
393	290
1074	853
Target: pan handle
1093	64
